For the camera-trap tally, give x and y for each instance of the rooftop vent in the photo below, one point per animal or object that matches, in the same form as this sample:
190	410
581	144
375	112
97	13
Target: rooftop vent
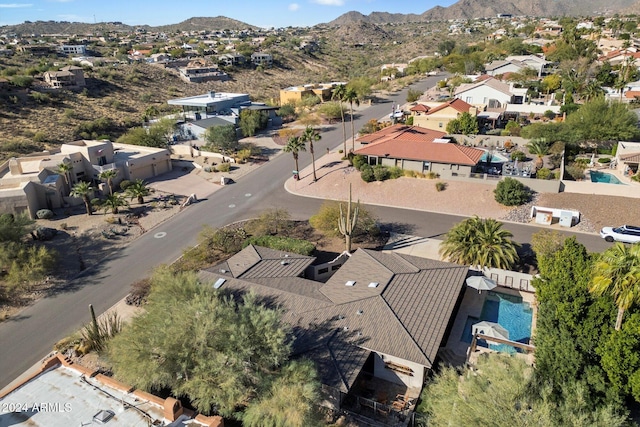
350	283
222	270
103	416
284	262
360	312
346	328
373	284
219	283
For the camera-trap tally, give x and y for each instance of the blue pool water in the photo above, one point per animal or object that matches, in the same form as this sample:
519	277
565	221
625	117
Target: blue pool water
604	177
495	158
509	311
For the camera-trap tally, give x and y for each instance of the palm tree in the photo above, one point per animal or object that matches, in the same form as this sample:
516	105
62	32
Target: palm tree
593	90
64	169
480	242
137	190
294	145
84	190
310	135
539	147
351	97
339	93
113	202
617	272
108	176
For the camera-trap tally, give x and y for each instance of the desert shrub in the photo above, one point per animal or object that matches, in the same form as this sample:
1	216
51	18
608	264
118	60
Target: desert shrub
139	292
511	192
582	161
513	128
96	335
395	172
243	155
604	160
441	186
409	121
409	173
544	173
549	114
358	161
22	81
518	155
224	167
281	243
380	173
431	175
326	220
575	171
508	145
366	173
124	184
494	132
44	214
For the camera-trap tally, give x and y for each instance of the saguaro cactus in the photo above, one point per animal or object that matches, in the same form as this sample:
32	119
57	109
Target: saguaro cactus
347	223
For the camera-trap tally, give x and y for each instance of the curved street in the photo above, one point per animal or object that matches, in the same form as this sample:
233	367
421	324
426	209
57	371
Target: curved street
29	336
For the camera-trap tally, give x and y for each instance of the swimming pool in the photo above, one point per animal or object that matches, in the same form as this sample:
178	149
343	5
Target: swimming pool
495	157
604	177
510	311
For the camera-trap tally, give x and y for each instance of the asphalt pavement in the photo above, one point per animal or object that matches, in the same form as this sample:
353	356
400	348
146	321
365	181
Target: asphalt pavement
29	336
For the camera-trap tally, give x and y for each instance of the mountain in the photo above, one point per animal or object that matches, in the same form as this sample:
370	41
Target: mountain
470	9
62	27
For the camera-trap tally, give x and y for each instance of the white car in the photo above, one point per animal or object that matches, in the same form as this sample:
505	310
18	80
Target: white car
624	233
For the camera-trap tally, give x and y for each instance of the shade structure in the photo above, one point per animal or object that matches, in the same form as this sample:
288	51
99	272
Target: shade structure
481	283
490	329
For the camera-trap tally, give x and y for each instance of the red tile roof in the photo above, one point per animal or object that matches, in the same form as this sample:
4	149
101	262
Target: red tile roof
416	143
419	107
632	94
456	104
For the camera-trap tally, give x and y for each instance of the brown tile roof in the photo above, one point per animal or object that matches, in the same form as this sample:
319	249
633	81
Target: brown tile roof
630	157
631	94
405	316
255	261
415	143
456	103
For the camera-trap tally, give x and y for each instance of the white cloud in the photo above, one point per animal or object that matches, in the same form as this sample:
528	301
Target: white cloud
14	5
294	6
329	2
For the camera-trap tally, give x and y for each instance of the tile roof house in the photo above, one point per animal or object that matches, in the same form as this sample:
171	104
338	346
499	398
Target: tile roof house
381	314
490	93
419	149
63	393
438	117
517	64
68	77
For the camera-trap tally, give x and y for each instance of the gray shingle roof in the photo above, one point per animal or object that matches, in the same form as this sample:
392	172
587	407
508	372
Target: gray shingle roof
405	316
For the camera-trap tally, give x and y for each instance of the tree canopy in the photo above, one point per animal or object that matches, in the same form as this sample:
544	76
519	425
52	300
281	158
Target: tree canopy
222	138
215	350
466	124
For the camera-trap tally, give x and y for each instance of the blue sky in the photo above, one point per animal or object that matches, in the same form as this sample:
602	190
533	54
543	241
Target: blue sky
263	13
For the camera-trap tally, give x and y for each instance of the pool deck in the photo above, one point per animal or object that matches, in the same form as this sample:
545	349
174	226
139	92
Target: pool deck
471	305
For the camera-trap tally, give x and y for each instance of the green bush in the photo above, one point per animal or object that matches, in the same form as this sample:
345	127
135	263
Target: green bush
575	171
441	186
395	172
44	214
366	173
511	192
224	167
381	173
544	173
518	155
604	160
326	220
583	161
358	161
431	175
289	244
124	184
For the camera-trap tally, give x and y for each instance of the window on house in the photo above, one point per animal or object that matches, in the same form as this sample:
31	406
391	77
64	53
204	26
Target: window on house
469	100
335	267
323	270
440	124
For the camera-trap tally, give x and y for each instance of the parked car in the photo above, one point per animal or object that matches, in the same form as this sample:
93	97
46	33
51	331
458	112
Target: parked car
624	233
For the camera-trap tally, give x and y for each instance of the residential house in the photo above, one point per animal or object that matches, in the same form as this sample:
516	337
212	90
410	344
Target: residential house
73	49
490	93
628	157
30	183
159	57
62	393
231	59
393	70
437	118
622	56
294	94
223	105
380	317
518	64
260	58
200	70
418	149
36	49
67	77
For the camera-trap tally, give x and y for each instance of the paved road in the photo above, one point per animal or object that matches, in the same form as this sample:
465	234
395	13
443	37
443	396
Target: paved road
30	336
